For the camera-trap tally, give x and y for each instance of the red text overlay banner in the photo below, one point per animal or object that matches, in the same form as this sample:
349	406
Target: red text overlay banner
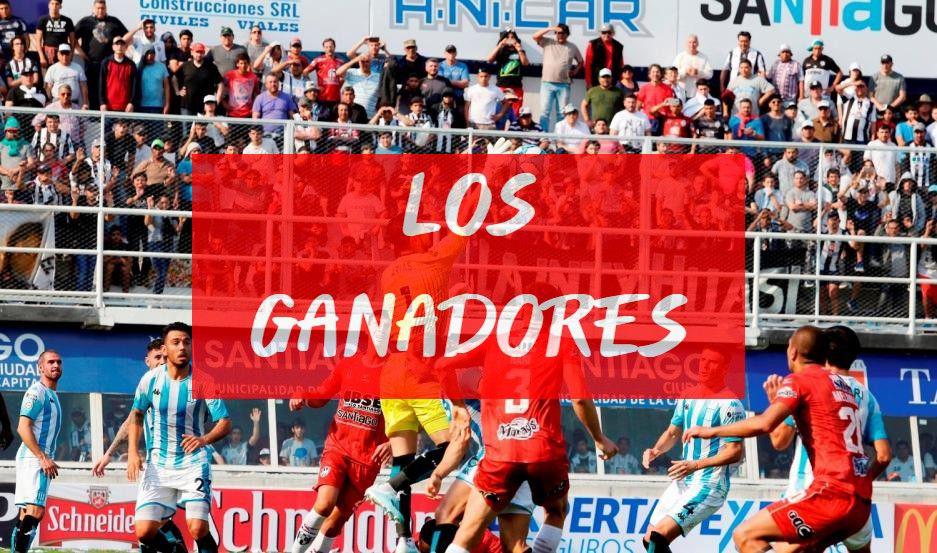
491	276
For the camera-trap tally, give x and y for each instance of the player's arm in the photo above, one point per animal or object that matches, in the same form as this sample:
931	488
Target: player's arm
664	443
875	433
589	417
122	432
882	458
458	445
728	454
747	428
25	430
134	430
783	435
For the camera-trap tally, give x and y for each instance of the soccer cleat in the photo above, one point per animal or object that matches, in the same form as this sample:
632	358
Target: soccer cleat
385	497
406	545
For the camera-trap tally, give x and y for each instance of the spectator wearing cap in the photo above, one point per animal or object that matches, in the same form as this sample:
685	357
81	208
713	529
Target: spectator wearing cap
778	127
46	190
561	61
631	125
448	115
456	72
118	79
807	109
654	94
847	87
359	75
692	65
433	85
857	116
483	102
294	80
271	60
258	143
512	102
920	165
95	34
904	131
571	126
273	103
242	86
225	55
137	43
51	30
906	206
709	125
217	130
67	72
785	75
411	63
810	156
375	48
27	94
694	105
925	108
15	154
525	123
296	52
18	63
11	26
158	170
510	57
197	78
675	125
255	43
742	51
821	67
153	92
751	86
887	87
603	52
319	111
826	127
602	101
327	77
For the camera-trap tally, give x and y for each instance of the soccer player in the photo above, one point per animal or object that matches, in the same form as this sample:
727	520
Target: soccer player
843	349
178	469
355	450
39	426
170	538
838	501
701	480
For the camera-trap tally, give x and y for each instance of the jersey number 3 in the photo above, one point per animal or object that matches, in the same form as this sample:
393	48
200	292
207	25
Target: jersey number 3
516	406
853	433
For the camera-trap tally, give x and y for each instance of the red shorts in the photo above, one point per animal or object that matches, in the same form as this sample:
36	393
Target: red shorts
820	516
351	477
499	481
929	291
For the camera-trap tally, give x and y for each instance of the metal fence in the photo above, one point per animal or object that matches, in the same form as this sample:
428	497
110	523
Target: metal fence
77	231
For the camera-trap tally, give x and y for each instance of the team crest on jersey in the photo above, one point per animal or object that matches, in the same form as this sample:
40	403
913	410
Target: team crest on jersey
803	529
28	401
324	471
518	429
787	391
98	496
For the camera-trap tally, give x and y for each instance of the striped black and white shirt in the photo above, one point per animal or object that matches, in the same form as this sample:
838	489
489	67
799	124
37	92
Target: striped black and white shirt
856	117
736	56
61	140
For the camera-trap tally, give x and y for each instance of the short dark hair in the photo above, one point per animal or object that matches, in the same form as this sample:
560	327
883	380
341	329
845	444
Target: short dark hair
563	27
242	57
177	326
155	343
146	21
745	34
744	61
843	346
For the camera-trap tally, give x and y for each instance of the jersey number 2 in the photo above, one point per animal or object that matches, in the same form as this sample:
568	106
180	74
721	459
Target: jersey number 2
853	433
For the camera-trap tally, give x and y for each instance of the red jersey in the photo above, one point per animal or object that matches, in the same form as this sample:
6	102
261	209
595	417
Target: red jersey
330	83
827	417
242	89
651	95
358	426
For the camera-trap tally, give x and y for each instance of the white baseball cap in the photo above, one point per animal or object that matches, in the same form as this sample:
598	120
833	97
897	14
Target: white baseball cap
605	72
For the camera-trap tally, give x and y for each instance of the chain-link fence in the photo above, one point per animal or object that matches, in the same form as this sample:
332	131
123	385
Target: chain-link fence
836	232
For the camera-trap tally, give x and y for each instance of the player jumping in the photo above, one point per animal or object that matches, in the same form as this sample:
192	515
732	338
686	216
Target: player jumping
178	469
839	500
843	346
39	426
701	480
355	450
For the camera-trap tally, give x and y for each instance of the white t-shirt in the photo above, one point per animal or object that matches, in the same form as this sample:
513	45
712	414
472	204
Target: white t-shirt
885	161
698	61
576	129
628	124
484	103
72	75
267	146
140	45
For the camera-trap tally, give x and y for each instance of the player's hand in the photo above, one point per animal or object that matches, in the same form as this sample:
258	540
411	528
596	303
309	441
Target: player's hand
680	469
649	456
771	386
608	448
6	438
382	454
295	405
191	443
134	466
698	432
48	467
98	468
434	483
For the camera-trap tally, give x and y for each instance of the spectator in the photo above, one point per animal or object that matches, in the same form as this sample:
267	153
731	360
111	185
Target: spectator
198	136
561	60
810	156
216	130
104	180
118	80
904	131
925	111
709	125
326	70
743	51
258	143
294	81
409	91
67	72
654	94
11	27
458	74
375	47
357	112
624	462
571	126
603	52
825	127
674	124
198	79
483	102
70	123
927	262
153	92
120	147
786	168
626	83
297	450
694	106
892	298
809	107
158	170
801	204
745	125
256	45
906	206
225	55
161	231
583	459
79	439
46	190
95	34
361	202
856	116
670	79
921	166
693	66
631	125
53	134
887	86
177	54
747	85
510	57
778	127
236	451
450	116
785	75
271	60
602	101
847	87
272	103
412	62
525	123
83	228
884	156
263	458
26	95
820	67
768	197
385	144
889	121
365	82
832	253
15	153
51	31
18	64
319	110
433	85
242	86
138	45
416	117
296	52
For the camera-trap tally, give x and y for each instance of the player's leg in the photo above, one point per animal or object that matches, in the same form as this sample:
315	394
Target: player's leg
315	519
25	528
402	428
32	486
549	486
756	534
447	515
478	516
660	535
513	531
197	517
194	486
861	541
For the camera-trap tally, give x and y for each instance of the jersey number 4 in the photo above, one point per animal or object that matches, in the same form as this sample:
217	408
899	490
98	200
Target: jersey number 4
853	433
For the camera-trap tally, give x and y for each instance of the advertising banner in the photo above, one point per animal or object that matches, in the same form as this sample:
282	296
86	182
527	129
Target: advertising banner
101	516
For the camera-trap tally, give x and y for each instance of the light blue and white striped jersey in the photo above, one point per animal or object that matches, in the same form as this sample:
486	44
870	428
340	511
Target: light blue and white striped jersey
175	413
474	407
872	428
707	413
41	405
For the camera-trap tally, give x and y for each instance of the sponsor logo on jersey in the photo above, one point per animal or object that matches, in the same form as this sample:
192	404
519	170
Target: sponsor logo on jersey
787	391
803	529
518	429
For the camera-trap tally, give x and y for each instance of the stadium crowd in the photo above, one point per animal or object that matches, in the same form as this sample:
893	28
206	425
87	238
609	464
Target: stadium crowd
99	63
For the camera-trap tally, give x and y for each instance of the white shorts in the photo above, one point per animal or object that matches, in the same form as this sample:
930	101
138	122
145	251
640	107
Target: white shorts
688	506
861	538
523	502
32	485
162	489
